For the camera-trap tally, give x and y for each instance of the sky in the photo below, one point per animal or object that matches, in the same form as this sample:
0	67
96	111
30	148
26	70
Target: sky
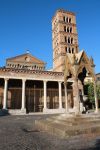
26	25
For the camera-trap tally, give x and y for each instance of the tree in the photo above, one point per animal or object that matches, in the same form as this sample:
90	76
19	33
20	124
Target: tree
98	92
89	91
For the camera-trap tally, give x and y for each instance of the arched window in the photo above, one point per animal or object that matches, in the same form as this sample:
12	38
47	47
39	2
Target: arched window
72	50
69	20
18	65
35	67
66	49
65	39
68	29
65	28
69	50
69	40
64	18
71	30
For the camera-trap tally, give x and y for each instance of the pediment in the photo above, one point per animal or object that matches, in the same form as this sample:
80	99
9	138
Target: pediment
28	58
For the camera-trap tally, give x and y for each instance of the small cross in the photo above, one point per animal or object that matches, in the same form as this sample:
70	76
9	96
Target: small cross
27	51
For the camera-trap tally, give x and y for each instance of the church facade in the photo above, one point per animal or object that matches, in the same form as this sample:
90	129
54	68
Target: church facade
25	85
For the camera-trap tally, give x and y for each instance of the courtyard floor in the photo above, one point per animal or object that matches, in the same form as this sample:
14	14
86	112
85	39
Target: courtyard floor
20	133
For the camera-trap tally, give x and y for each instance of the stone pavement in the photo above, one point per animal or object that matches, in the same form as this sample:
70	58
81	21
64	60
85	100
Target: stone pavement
20	133
68	125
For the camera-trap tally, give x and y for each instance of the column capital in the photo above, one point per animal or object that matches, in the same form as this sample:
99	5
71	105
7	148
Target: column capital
64	83
59	81
6	79
45	81
24	80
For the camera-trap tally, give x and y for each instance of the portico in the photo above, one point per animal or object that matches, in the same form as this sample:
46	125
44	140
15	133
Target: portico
32	94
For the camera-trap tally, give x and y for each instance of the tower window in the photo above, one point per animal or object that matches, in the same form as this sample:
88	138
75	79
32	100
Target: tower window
68	29
71	30
66	49
65	39
72	50
65	28
64	18
69	50
71	40
69	20
68	40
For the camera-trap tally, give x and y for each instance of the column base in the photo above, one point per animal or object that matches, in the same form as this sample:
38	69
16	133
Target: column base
45	110
23	110
4	109
82	108
76	111
96	111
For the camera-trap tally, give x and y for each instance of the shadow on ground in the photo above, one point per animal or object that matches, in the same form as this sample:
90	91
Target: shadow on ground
4	112
96	147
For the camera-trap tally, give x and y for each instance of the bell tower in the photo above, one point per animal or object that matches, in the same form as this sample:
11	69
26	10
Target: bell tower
64	37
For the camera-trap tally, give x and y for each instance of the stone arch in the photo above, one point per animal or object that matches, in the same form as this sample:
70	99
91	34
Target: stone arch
81	68
82	74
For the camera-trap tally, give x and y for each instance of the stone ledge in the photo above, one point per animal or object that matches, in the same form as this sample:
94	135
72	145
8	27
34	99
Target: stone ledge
53	111
17	111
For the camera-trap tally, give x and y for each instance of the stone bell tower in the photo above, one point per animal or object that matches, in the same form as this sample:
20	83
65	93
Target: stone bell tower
64	37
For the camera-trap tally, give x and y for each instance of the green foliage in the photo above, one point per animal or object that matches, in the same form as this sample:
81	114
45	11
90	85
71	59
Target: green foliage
98	92
89	90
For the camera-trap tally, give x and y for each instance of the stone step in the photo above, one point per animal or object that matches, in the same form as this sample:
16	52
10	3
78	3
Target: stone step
63	125
63	128
74	121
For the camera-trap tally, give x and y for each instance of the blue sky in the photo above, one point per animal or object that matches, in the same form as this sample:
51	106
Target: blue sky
26	24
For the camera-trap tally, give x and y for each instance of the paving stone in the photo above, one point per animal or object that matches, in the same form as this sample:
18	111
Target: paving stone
20	133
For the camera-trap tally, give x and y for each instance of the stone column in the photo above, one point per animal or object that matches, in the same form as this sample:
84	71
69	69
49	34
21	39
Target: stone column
76	96
60	95
5	94
69	101
23	108
81	95
66	98
83	90
96	99
95	92
45	95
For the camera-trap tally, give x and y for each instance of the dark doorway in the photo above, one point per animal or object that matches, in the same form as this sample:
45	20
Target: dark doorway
34	96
